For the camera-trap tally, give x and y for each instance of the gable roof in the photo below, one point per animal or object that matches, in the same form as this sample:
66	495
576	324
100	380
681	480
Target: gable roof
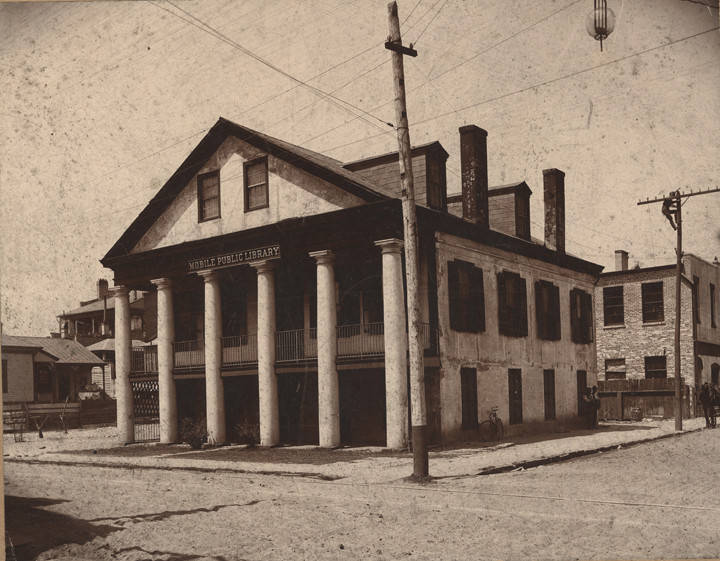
64	351
96	306
317	164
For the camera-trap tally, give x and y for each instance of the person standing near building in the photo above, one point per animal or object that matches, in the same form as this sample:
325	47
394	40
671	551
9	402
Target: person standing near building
588	408
705	398
595	407
714	404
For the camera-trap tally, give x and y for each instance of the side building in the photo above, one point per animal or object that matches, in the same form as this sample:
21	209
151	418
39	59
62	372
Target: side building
278	277
635	311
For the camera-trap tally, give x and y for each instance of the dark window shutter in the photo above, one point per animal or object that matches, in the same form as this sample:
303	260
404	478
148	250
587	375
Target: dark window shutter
540	319
555	306
454	295
477	300
521	306
504	319
587	317
574	323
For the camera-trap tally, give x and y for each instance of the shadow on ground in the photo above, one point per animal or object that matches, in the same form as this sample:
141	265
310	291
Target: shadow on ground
33	529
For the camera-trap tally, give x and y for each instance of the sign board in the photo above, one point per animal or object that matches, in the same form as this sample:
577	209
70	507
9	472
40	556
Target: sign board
233	258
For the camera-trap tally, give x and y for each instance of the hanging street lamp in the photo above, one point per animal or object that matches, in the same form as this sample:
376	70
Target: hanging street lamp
600	22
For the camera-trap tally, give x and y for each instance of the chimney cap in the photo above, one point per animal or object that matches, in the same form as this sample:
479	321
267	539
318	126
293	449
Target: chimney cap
472	128
621	251
553	171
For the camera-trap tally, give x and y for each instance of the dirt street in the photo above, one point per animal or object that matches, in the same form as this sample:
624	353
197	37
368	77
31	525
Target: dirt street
651	501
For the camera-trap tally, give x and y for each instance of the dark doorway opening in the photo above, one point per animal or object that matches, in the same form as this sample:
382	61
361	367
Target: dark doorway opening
362	407
469	398
297	397
581	389
242	411
515	395
190	399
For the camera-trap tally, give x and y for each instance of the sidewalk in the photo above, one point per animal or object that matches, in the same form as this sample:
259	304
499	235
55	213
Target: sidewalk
360	465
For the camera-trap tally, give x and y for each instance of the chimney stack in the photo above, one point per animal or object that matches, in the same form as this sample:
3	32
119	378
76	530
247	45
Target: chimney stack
621	260
473	163
554	186
102	288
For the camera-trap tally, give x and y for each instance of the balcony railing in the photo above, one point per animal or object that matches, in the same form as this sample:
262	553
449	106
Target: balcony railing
295	345
144	360
239	350
189	355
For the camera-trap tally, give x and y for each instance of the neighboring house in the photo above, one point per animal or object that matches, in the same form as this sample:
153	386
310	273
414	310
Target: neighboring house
278	275
44	369
635	311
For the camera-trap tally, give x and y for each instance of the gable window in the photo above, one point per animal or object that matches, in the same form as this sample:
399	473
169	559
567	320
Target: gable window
615	369
256	184
466	294
713	321
652	302
512	304
4	376
580	316
208	187
613	305
547	310
655	367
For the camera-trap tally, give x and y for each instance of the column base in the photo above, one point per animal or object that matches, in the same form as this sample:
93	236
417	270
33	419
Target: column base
420	452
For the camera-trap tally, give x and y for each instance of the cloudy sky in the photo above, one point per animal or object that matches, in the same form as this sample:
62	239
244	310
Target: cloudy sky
101	102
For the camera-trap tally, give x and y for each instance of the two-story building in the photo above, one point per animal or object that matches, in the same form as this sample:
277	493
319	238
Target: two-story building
278	276
635	311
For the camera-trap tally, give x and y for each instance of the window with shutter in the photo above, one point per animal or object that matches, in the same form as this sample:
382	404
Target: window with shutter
655	367
466	297
547	310
512	304
256	184
581	316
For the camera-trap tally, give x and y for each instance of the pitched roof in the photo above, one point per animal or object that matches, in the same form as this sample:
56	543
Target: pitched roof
64	351
109	345
323	166
97	306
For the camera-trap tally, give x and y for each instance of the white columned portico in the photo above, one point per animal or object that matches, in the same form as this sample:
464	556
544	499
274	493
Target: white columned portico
267	380
166	382
396	399
214	393
328	383
123	350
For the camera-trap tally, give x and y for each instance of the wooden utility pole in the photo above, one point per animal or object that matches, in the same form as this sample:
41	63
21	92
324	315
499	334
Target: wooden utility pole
417	370
672	207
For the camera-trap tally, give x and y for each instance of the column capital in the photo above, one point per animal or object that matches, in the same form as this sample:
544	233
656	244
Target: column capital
390	245
119	290
322	257
264	266
162	283
208	275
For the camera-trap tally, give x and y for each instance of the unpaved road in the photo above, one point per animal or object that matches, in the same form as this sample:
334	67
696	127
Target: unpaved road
652	501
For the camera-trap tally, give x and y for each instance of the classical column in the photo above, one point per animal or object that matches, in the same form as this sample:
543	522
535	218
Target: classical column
396	399
123	390
267	380
328	384
214	394
166	382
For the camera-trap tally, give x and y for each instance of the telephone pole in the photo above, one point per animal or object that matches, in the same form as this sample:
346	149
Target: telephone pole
672	207
417	370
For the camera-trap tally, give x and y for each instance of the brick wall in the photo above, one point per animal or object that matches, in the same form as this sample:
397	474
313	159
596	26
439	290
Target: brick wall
635	340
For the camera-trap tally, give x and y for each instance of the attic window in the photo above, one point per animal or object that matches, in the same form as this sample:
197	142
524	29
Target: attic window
256	184
208	196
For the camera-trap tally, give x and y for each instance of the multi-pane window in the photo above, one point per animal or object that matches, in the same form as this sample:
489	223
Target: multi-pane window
655	367
512	304
466	293
713	321
547	310
549	393
615	369
256	184
613	306
208	187
4	376
652	302
581	316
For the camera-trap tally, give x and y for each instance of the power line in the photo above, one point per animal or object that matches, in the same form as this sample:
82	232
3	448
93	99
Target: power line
430	22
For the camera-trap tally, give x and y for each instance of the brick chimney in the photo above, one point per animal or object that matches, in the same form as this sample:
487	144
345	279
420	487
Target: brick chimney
473	163
554	185
102	288
621	260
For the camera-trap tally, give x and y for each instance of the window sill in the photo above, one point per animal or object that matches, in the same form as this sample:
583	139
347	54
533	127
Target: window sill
615	326
653	323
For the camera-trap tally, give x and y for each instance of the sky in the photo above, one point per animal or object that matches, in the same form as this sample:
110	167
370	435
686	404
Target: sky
102	101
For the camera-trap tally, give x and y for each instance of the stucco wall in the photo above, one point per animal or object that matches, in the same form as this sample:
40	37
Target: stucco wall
493	354
292	193
20	376
635	340
707	273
